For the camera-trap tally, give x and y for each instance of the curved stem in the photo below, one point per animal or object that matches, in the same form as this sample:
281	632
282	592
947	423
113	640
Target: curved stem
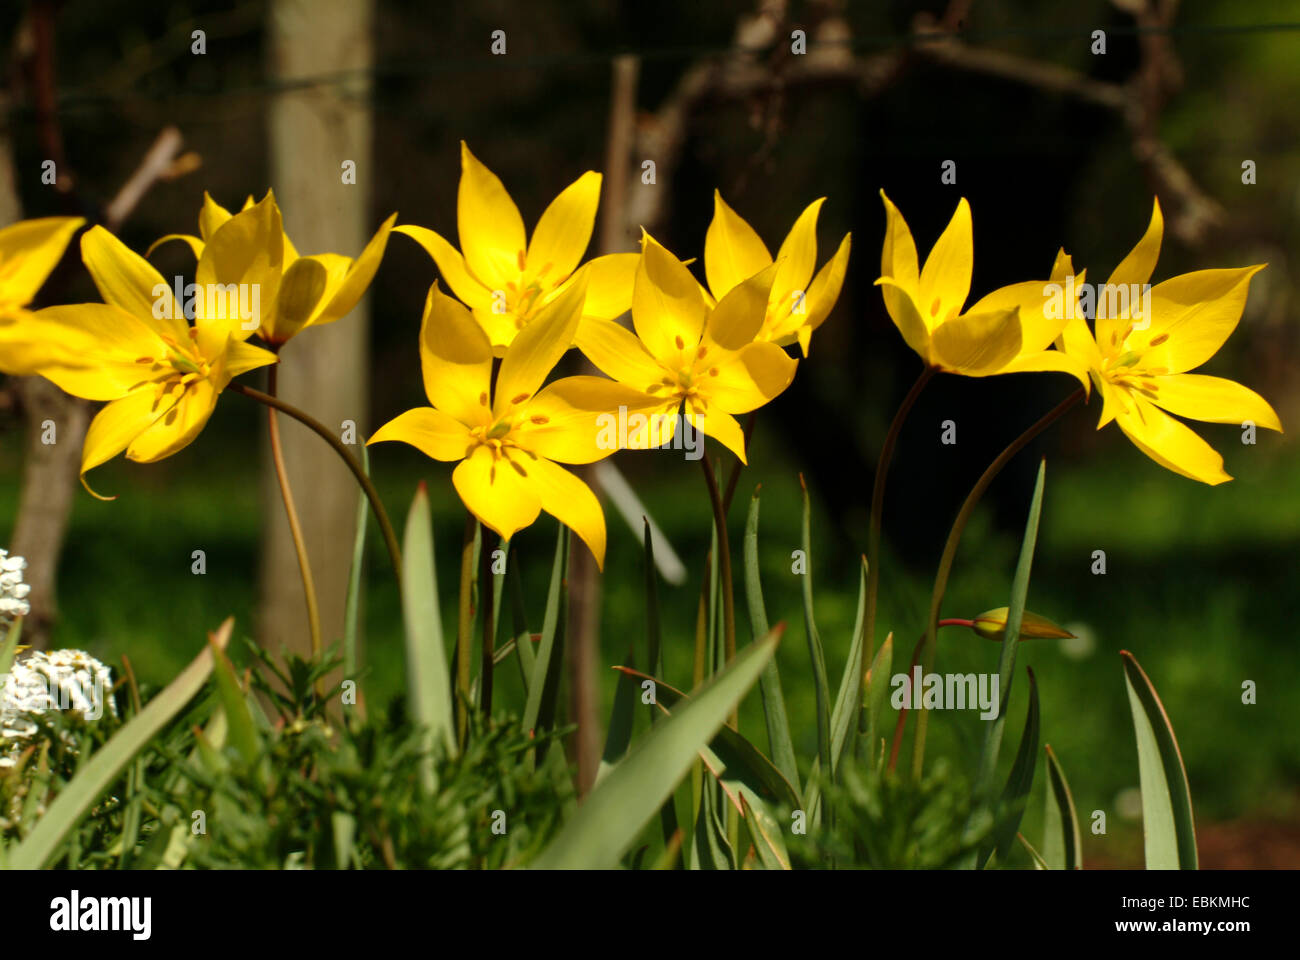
381	517
724	563
873	535
291	512
950	553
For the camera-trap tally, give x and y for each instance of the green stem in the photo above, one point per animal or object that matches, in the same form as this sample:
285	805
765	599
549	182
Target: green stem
381	517
950	553
873	534
728	614
465	628
291	513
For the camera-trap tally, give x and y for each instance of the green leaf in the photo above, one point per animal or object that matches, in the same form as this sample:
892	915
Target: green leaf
1167	822
1062	842
846	699
352	608
40	846
878	687
779	741
539	709
243	729
711	851
1016	792
527	656
428	682
821	687
611	818
983	799
10	647
1034	855
764	833
734	751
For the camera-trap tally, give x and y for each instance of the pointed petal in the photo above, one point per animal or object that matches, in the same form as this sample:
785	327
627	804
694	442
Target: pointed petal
733	252
739	315
432	432
907	318
247	249
491	230
128	281
576	419
176	429
1050	361
497	490
825	288
538	347
1171	444
1136	268
1196	313
748	378
570	501
564	231
609	285
451	265
29	251
667	309
194	243
115	426
213	215
945	278
722	427
357	279
242	357
798	254
977	345
455	360
1214	400
617	352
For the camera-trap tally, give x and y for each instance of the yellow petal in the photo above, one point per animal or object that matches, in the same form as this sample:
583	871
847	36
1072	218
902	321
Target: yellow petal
1195	312
358	276
451	265
247	249
176	429
194	243
537	348
1037	330
738	317
1171	444
945	278
115	426
1050	361
89	350
898	253
29	251
562	234
213	215
432	432
127	280
907	318
747	378
609	285
491	230
733	252
825	288
455	360
617	352
500	328
579	420
301	289
1136	268
667	309
570	501
722	427
798	254
977	344
241	357
1214	400
497	490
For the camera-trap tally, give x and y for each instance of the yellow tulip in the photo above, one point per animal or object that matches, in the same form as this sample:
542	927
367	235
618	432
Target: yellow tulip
1140	364
510	440
733	252
686	353
506	278
160	375
1008	331
29	251
294	292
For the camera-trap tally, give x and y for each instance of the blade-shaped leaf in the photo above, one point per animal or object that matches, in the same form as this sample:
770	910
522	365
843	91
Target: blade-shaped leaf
612	816
428	681
539	709
1167	822
821	686
352	609
1016	792
1062	842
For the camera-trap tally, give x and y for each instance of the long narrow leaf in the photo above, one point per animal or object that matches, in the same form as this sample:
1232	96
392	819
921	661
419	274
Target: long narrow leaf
1167	822
1062	842
611	818
821	687
1016	792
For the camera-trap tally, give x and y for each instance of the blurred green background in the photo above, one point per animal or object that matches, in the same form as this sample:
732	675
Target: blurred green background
1200	582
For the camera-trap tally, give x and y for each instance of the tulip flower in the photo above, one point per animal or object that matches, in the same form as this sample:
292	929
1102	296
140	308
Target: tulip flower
251	249
507	278
992	625
510	440
1140	364
733	252
29	251
160	375
1008	331
686	353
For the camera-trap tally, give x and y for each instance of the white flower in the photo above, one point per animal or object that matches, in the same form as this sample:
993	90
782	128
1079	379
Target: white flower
40	682
13	592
